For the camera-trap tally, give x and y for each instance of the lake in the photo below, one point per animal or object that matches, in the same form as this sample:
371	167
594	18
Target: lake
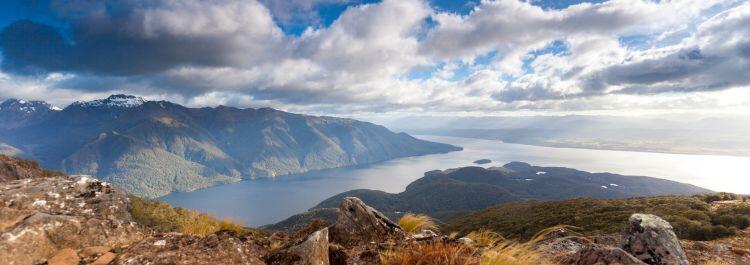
265	201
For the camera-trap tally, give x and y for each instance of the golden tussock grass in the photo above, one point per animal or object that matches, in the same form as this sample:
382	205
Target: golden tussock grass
431	253
490	248
485	237
412	223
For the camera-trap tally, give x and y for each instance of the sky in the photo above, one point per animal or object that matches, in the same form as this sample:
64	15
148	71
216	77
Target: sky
344	57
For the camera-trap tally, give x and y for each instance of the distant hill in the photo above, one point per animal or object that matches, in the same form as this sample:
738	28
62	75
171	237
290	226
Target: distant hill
151	148
450	194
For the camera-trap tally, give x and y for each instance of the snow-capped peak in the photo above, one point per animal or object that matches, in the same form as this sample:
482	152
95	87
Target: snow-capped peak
26	106
120	101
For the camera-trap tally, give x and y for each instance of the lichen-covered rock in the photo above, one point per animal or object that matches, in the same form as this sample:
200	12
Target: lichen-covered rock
40	216
219	248
311	250
359	224
653	241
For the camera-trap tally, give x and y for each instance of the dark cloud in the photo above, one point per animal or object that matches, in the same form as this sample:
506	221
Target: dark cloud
32	48
124	38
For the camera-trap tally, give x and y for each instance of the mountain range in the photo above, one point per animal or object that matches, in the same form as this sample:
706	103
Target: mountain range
454	193
152	148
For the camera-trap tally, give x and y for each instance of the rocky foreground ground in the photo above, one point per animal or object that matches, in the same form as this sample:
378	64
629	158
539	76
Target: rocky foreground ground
78	220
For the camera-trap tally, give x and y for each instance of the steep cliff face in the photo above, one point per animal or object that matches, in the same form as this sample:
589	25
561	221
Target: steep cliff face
153	148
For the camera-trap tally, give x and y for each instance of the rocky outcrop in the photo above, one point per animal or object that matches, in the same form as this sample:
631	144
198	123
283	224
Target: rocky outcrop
361	224
584	251
41	216
356	238
652	240
219	248
648	240
600	254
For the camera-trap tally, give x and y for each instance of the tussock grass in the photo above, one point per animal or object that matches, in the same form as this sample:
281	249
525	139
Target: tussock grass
434	253
545	233
489	249
412	223
162	216
509	253
485	237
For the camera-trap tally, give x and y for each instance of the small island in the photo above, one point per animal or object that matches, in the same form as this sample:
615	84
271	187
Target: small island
482	161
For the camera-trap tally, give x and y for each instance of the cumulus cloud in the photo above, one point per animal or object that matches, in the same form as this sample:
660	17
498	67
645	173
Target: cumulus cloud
713	58
495	58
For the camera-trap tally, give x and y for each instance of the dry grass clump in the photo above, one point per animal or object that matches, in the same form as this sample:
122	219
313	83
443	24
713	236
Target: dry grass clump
485	237
430	253
509	253
162	216
412	223
489	249
549	232
716	262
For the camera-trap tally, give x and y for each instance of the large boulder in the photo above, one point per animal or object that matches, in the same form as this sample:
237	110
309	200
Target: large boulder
41	216
219	248
359	224
311	250
653	241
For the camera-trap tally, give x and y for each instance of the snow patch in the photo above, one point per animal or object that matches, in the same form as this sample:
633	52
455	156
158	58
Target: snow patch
541	172
121	101
160	243
614	185
605	187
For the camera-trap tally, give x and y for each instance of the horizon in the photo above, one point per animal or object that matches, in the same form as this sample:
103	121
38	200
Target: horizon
376	59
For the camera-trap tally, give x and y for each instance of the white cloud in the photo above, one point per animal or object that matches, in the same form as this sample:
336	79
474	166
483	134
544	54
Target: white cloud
232	52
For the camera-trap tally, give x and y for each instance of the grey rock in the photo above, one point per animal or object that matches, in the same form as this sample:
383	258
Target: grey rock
311	250
653	241
582	251
359	224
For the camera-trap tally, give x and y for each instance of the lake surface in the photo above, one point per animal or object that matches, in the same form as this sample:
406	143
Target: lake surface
260	202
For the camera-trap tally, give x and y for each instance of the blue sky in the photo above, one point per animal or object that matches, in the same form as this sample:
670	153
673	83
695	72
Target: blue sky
343	56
